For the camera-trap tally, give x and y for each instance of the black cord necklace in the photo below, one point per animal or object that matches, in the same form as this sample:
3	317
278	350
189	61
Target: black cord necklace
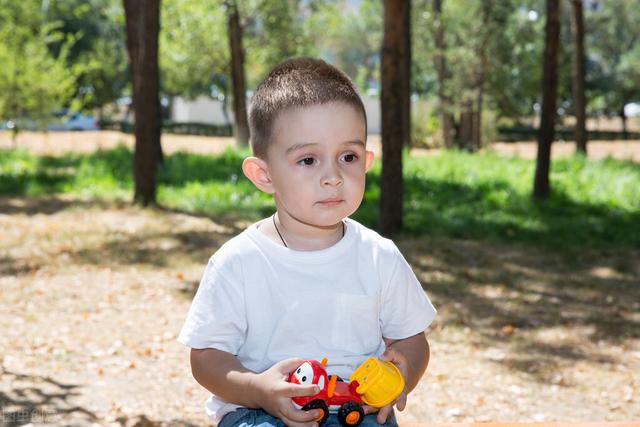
273	217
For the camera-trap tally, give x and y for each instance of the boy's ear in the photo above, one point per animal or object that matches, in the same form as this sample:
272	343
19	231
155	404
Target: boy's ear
368	160
257	171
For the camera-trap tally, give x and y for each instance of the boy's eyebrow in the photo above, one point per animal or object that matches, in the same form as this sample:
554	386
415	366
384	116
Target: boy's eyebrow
301	145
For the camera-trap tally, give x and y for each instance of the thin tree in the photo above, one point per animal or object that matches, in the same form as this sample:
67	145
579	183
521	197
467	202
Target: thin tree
577	63
392	97
446	117
406	71
479	74
546	132
241	126
142	20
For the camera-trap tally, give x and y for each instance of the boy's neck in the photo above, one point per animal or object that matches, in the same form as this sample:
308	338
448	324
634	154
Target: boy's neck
297	235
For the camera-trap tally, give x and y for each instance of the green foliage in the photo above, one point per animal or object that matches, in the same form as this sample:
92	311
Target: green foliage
349	36
425	125
194	49
503	37
613	70
594	204
98	58
33	82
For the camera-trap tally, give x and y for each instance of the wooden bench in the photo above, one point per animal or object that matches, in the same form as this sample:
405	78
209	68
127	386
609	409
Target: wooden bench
532	424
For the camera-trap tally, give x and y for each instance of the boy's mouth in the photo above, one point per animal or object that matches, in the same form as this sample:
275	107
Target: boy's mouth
333	201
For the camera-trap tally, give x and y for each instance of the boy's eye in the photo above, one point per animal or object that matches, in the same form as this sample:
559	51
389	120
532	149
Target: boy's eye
350	158
307	161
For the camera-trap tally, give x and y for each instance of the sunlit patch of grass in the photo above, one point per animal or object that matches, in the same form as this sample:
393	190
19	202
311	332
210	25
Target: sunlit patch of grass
454	194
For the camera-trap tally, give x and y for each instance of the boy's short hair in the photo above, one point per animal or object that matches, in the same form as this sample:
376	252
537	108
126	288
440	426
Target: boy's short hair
297	82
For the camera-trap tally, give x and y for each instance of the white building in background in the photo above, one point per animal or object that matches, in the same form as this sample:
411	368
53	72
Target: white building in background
632	110
208	110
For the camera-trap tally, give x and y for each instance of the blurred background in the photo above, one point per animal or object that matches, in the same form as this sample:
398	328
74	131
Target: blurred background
514	194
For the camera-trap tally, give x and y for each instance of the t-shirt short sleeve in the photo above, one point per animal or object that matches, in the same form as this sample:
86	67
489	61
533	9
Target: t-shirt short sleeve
216	318
406	309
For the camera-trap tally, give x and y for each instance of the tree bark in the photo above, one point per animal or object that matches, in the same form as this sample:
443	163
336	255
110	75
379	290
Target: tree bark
577	60
241	126
541	188
393	97
480	77
465	137
142	20
446	117
406	115
623	117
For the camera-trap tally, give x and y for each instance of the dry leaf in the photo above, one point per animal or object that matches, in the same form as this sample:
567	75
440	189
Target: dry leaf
508	329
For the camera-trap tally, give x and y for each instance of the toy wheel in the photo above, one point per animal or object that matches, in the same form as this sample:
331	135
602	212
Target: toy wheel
319	405
350	414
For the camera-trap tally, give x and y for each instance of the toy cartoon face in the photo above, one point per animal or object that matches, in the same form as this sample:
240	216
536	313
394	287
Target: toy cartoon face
308	374
304	374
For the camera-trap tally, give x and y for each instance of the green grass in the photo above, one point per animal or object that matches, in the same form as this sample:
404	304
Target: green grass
453	194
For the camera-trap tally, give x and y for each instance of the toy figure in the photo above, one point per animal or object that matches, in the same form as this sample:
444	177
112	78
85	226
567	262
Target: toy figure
374	383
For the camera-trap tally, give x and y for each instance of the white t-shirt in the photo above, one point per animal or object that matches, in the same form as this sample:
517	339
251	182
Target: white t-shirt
265	303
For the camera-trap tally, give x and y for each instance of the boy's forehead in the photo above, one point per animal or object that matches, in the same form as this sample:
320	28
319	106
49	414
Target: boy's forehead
302	145
305	126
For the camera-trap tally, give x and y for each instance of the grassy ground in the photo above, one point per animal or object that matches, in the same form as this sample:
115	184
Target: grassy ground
538	302
477	196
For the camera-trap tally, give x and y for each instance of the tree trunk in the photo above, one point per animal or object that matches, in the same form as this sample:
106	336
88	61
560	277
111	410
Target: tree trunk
465	138
577	60
623	117
406	115
392	98
446	117
142	19
241	126
476	135
546	132
479	76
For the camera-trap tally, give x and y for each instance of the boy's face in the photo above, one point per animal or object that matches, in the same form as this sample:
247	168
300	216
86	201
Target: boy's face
317	163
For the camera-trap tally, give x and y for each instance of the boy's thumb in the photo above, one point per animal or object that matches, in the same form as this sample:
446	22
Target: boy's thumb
289	365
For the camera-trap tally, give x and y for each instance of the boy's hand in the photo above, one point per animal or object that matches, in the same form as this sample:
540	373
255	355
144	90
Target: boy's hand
275	393
398	359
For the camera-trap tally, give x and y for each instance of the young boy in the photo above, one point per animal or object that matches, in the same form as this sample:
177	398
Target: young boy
307	282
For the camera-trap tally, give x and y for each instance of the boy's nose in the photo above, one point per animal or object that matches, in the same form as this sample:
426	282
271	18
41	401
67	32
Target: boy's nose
332	176
332	181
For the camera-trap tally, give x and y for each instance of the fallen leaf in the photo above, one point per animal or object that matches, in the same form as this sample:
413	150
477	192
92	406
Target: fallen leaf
508	329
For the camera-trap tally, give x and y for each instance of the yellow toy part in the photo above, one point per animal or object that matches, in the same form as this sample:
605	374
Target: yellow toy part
379	383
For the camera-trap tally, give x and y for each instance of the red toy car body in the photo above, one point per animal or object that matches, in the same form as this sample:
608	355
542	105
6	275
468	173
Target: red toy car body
334	396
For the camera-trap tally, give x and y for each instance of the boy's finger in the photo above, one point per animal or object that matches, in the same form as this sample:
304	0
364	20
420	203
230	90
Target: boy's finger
298	416
290	423
401	402
383	414
369	409
391	355
289	365
297	390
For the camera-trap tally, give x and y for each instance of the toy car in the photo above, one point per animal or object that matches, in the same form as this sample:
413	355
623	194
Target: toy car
374	383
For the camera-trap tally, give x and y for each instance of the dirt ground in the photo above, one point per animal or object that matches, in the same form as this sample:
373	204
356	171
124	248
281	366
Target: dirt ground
58	143
93	295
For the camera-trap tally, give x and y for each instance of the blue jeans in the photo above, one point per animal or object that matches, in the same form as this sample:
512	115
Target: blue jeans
244	417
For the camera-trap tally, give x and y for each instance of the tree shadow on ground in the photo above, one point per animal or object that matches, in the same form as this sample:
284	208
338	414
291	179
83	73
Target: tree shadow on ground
547	309
38	399
144	421
47	205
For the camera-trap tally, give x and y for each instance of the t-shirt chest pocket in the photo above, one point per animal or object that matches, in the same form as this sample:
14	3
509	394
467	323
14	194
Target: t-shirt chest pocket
354	321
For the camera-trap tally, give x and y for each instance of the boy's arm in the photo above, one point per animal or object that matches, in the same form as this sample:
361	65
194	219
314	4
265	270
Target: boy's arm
416	351
223	375
411	356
